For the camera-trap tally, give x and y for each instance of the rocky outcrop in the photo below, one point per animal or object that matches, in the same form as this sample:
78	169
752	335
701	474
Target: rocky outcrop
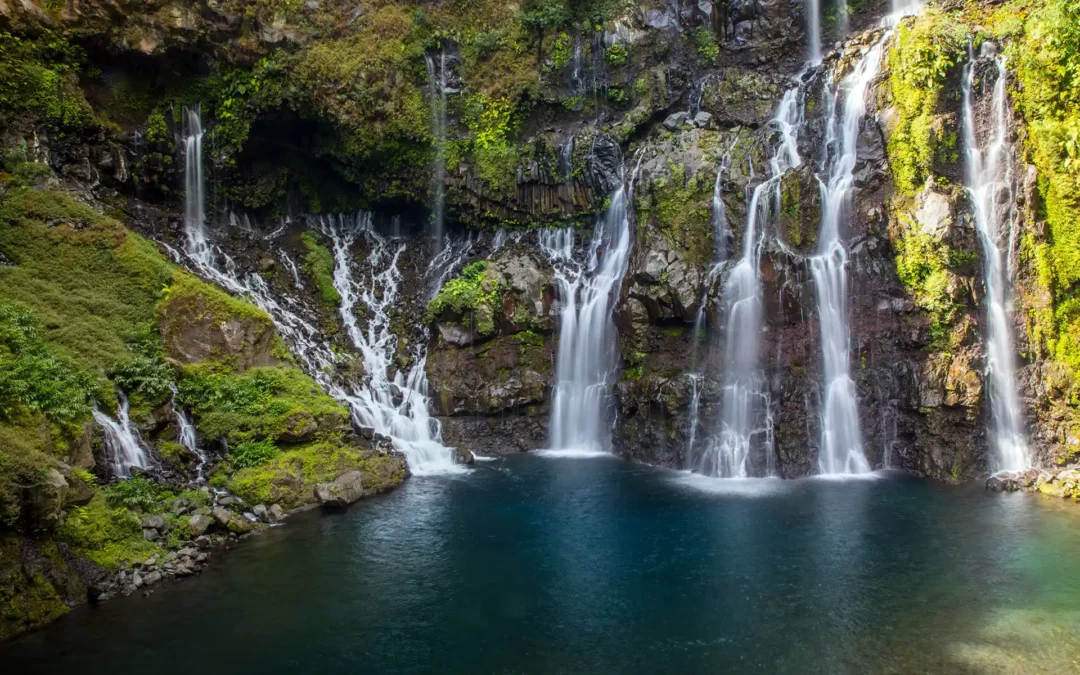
198	324
491	388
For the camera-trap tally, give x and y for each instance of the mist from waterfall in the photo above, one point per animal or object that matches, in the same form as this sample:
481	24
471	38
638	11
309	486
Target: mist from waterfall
841	449
588	353
122	441
389	401
989	182
744	403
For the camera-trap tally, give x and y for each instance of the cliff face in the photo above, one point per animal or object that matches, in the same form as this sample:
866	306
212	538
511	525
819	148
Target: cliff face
501	126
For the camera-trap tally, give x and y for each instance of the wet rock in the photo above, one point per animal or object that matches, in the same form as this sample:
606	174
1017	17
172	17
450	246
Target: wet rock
155	522
261	513
275	513
341	492
676	120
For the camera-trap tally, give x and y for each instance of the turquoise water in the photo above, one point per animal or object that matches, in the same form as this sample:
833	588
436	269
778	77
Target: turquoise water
549	565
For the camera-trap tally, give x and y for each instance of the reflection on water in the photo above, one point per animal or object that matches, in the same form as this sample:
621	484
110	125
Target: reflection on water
540	565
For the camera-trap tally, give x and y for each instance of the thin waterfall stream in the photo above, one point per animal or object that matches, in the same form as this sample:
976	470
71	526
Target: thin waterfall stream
122	439
588	350
727	452
841	448
990	186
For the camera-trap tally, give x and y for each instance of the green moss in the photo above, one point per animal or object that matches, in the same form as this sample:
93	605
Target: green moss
194	299
27	598
472	294
681	208
262	403
108	535
89	281
290	477
925	53
319	263
1046	59
923	266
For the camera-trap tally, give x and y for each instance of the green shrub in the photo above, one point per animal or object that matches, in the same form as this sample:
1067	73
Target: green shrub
34	377
467	293
617	54
707	47
136	492
108	535
252	453
145	376
262	403
319	263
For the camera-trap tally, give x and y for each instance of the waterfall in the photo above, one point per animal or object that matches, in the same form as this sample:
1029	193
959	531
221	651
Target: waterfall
813	30
744	396
186	433
122	439
437	78
393	405
841	450
194	200
588	342
989	184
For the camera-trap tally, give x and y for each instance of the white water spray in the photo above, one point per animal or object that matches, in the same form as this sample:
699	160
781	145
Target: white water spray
989	184
122	439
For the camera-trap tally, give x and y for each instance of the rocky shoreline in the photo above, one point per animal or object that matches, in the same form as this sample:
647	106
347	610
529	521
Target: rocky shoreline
1063	483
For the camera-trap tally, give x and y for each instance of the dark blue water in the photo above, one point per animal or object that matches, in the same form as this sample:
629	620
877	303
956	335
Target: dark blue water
542	565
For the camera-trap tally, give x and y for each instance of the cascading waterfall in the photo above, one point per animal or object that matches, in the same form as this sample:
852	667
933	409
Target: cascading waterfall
813	30
841	450
588	350
989	184
186	433
744	395
395	406
122	439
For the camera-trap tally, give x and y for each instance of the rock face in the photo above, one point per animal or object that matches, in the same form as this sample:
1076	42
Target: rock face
491	391
341	492
197	329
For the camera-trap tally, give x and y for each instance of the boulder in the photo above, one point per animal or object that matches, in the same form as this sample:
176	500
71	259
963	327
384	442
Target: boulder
676	120
43	503
275	513
340	493
221	515
154	522
150	534
197	525
261	513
